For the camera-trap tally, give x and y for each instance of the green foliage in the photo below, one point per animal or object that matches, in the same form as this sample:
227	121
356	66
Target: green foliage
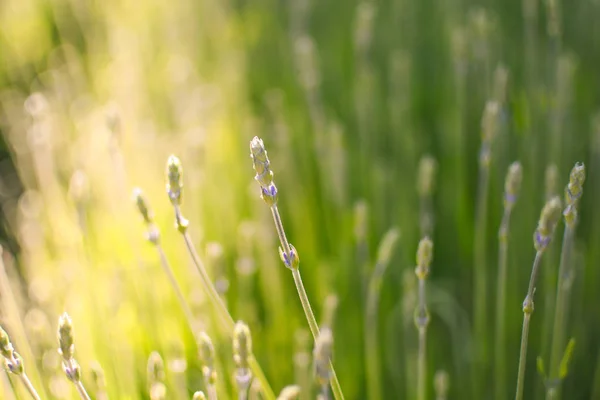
376	115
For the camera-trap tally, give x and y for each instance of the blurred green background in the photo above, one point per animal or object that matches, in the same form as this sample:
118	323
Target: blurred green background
348	97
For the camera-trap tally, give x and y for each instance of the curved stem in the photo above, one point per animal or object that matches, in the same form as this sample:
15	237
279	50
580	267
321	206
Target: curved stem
178	292
222	312
314	329
29	386
527	311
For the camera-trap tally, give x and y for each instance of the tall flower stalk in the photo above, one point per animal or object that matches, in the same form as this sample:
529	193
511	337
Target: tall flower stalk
242	351
573	193
541	239
424	257
384	254
287	252
511	191
174	173
489	127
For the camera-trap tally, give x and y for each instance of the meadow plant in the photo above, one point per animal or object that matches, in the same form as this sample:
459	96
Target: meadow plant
291	392
425	187
242	352
199	395
99	380
174	175
489	128
156	377
541	239
573	193
287	252
153	236
207	358
322	353
422	318
512	187
384	255
66	349
441	383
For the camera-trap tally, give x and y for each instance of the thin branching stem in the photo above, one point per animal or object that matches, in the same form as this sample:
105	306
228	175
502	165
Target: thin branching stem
527	311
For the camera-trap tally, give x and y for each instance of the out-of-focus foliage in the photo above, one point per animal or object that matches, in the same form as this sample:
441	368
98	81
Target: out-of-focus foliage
348	97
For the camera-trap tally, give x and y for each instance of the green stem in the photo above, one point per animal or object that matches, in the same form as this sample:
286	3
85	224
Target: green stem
81	390
310	317
527	311
422	365
29	386
180	297
563	291
371	325
500	356
222	312
422	355
314	329
480	277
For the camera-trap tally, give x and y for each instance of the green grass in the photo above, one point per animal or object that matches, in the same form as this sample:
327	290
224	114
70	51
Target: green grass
348	97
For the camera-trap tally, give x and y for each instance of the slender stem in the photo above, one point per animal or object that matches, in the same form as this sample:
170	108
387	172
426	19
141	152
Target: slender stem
314	329
279	228
422	365
310	317
500	348
81	390
180	297
522	357
212	391
563	291
422	354
527	311
223	313
29	386
371	324
480	274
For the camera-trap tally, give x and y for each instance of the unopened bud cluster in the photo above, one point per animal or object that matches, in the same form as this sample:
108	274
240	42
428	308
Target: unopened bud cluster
573	193
264	175
547	223
12	360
